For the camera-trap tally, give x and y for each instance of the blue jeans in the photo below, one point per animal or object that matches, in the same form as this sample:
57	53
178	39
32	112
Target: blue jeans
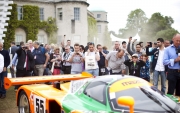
163	79
2	76
75	72
94	72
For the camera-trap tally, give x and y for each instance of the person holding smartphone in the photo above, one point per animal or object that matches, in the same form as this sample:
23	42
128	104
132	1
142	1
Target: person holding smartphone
76	60
133	51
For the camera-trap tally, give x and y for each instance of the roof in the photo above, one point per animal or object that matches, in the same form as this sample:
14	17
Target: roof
51	1
97	9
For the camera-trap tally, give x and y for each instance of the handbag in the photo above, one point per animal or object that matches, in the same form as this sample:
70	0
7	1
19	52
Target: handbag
62	67
52	68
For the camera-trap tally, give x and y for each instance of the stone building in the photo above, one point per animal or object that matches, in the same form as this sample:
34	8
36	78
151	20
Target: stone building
102	24
71	20
70	15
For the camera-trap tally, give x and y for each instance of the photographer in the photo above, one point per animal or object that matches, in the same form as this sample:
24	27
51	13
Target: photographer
172	59
55	61
76	60
68	44
157	64
25	60
133	51
66	65
101	62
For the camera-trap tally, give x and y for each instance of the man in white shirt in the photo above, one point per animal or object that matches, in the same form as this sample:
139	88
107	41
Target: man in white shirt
1	63
157	64
91	59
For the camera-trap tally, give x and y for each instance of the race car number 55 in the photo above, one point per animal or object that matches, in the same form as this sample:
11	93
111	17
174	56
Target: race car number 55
39	104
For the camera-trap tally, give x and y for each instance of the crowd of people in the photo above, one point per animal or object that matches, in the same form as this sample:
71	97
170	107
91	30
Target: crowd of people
161	58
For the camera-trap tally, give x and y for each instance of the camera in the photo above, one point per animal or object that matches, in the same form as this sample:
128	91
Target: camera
77	53
25	47
178	51
150	44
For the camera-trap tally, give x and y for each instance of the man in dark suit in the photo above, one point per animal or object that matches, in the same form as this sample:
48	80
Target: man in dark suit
25	59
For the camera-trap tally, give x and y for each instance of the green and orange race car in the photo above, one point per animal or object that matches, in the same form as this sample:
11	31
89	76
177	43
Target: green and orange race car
85	94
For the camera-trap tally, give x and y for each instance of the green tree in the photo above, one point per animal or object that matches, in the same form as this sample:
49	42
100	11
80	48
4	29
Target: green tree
158	26
166	34
136	19
92	29
30	23
135	22
107	38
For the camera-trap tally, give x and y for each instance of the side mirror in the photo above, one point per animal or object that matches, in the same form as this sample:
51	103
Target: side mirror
127	101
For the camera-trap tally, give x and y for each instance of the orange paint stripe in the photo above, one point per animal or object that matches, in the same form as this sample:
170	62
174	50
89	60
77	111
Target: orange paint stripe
8	82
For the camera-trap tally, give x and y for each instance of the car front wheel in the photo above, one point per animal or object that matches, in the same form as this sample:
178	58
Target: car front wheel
23	103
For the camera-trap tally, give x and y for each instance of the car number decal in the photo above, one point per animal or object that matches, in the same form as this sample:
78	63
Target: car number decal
39	104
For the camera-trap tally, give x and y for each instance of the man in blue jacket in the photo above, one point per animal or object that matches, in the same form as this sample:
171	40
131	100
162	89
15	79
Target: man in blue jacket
172	59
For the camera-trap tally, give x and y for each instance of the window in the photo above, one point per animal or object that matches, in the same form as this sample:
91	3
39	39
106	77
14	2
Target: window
146	96
99	28
41	39
76	13
60	13
98	15
20	12
97	91
41	13
18	39
77	39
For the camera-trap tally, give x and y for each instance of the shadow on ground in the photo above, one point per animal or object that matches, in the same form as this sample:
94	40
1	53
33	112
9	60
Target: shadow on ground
8	105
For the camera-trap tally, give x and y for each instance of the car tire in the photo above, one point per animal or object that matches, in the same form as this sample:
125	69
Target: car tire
23	103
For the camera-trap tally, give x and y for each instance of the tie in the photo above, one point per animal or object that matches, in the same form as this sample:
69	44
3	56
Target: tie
26	62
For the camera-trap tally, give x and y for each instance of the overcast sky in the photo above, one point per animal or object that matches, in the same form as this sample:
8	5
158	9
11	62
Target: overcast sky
118	10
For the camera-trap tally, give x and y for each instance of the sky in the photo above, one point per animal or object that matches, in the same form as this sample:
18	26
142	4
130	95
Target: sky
118	10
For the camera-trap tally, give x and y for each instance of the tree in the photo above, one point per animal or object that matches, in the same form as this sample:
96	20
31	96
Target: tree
107	38
166	34
136	19
135	22
92	29
157	23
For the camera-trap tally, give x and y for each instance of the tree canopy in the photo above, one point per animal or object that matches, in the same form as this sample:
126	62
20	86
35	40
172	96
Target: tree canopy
154	27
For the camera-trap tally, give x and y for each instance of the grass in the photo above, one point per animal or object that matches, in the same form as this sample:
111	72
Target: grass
8	105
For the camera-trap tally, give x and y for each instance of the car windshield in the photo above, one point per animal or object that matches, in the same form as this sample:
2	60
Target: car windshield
147	99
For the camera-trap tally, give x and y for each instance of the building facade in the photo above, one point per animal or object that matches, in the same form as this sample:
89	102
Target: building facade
70	15
71	20
102	25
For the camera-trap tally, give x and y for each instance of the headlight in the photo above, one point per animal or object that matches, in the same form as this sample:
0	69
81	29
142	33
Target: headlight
81	111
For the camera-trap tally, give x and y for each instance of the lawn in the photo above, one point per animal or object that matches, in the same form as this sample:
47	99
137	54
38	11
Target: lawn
8	105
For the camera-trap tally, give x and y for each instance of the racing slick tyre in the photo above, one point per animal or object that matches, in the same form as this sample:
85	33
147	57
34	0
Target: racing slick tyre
23	103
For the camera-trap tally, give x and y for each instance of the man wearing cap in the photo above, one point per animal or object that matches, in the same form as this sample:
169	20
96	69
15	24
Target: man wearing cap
134	65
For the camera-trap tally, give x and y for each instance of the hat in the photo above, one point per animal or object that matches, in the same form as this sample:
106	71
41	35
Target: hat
135	55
